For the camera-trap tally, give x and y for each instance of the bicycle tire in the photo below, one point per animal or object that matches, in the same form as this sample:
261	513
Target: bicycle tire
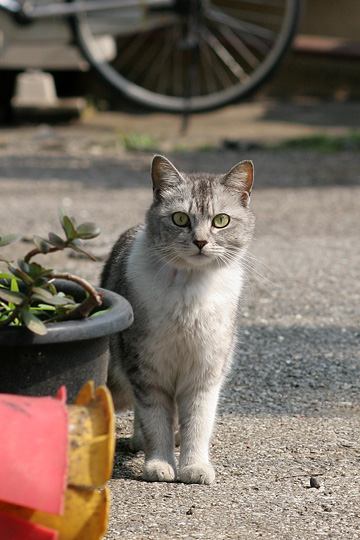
191	103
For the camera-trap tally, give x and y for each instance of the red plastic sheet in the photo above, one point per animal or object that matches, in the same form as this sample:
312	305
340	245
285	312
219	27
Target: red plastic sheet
14	528
33	452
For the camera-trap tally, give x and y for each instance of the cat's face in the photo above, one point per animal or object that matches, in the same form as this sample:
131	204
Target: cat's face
200	220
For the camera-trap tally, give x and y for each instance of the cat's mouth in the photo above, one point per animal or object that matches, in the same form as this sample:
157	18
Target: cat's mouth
200	255
199	259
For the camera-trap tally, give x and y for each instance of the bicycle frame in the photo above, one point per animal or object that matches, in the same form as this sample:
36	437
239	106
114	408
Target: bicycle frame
30	12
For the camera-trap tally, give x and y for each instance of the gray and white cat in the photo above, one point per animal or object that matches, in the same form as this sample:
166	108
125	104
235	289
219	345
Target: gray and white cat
183	273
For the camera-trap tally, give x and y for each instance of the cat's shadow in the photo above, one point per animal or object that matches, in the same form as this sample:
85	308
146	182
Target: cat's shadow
126	464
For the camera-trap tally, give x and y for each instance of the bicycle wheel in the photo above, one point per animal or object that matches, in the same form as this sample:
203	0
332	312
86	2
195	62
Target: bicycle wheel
204	55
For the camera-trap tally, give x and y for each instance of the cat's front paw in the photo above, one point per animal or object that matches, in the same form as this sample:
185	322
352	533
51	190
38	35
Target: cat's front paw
156	470
197	473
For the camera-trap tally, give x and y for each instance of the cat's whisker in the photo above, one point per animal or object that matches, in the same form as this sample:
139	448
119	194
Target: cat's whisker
249	265
166	261
167	258
253	271
255	263
251	257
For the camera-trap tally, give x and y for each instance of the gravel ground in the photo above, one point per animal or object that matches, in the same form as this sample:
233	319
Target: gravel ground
291	407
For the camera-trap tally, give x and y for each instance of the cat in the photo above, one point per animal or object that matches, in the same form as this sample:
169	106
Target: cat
183	273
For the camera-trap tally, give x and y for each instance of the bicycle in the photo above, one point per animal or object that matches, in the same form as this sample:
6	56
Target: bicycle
175	55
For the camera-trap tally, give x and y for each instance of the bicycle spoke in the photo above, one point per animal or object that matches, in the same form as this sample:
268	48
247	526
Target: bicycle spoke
163	79
143	61
157	70
132	49
259	45
239	46
177	72
264	19
240	26
226	58
215	66
209	77
192	76
196	79
219	67
152	74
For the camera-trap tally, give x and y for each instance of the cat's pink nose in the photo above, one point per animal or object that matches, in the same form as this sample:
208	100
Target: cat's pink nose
200	243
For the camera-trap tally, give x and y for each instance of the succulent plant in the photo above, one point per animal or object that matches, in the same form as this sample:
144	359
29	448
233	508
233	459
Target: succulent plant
28	293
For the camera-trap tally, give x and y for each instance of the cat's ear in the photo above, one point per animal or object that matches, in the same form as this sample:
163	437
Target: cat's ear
163	174
241	178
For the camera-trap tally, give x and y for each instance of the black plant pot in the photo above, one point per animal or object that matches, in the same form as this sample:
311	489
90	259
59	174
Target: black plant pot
70	354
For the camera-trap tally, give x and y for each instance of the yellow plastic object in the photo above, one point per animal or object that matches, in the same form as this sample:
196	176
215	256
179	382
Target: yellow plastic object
91	447
85	516
91	437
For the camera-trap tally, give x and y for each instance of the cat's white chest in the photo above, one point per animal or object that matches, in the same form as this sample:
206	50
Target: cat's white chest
189	316
194	302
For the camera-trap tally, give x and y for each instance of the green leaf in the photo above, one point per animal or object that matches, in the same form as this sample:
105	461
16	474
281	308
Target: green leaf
69	227
98	313
33	323
12	297
23	276
37	271
48	298
59	300
42	244
14	286
42	294
43	307
88	230
52	288
5	307
8	239
4	275
56	240
23	265
76	246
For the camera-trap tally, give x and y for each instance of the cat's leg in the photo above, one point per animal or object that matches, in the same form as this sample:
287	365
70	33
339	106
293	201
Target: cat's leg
118	382
177	438
177	428
197	410
137	440
156	416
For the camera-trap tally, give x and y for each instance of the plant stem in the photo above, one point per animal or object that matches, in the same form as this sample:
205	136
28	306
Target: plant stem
37	251
82	282
86	307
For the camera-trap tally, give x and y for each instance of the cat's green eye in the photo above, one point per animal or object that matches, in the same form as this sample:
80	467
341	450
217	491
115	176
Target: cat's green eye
220	221
181	219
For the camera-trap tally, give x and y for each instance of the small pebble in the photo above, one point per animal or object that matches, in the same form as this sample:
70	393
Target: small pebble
190	511
314	482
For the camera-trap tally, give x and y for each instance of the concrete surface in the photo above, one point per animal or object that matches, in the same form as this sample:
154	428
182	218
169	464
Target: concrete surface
291	407
261	122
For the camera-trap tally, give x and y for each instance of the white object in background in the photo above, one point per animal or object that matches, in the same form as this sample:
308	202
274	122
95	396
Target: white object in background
35	89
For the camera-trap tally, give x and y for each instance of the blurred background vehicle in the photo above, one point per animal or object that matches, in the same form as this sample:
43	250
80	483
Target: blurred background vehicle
174	55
